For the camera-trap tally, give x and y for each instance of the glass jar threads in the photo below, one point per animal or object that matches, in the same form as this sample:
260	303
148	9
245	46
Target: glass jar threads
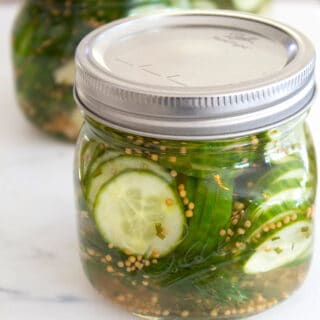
195	170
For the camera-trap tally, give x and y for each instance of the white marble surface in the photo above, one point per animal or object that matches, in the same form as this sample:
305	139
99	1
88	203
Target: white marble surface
40	273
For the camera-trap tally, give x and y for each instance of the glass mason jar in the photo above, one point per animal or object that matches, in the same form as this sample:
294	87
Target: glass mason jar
195	175
45	36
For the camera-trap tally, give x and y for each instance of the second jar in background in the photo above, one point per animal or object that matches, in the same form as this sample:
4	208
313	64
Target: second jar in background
45	36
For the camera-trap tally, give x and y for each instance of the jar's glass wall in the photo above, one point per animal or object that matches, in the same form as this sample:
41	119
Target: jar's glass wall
196	229
45	36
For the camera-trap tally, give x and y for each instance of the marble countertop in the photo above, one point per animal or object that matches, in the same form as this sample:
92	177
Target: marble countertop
40	272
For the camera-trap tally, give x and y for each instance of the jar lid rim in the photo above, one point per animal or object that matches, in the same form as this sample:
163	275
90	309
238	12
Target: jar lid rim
135	74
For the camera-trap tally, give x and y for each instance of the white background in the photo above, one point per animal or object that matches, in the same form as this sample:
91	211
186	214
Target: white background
40	273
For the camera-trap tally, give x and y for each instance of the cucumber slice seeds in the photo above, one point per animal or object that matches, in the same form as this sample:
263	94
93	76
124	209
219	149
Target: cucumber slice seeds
140	212
281	248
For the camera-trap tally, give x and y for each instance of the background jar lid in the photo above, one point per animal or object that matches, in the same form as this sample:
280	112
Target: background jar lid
195	75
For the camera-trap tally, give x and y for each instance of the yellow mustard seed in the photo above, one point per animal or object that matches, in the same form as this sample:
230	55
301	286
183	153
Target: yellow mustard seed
128	151
238	206
182	193
169	202
241	231
163	148
222	232
145	283
127	252
213	312
172	159
173	173
191	205
189	213
91	252
154	261
181	187
272	226
139	257
250	309
260	298
120	264
154	157
110	269
165	313
279	224
139	141
147	263
132	259
286	220
235	221
254	141
294	217
128	263
185	201
247	224
242	310
239	244
155	253
185	313
108	258
183	150
230	232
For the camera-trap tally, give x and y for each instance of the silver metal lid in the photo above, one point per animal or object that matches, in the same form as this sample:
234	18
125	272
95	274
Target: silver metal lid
195	75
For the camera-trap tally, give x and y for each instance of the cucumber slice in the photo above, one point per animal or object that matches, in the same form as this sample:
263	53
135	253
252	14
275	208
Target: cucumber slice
107	155
272	216
211	214
293	174
280	248
110	168
218	213
131	208
89	152
281	149
283	191
293	168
